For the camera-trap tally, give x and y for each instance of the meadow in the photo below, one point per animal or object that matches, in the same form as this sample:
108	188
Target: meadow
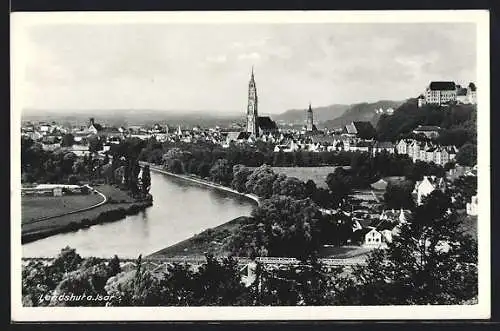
37	207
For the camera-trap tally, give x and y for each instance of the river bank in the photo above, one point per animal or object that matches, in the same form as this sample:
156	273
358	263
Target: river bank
212	240
204	182
117	205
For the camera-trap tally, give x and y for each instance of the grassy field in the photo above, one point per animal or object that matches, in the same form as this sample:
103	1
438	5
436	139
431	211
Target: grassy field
33	207
317	174
343	252
211	240
122	200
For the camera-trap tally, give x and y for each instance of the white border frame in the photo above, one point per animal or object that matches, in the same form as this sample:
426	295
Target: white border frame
19	23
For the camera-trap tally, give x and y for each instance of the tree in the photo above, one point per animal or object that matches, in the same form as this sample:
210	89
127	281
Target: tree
290	226
340	184
240	177
146	180
399	195
218	283
67	260
462	189
114	266
311	188
260	182
290	186
467	155
221	172
68	140
431	261
95	144
72	180
204	170
175	166
107	171
309	284
67	163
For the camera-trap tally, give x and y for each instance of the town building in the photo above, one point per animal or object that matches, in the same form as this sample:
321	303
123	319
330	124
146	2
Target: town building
94	128
257	125
360	129
444	92
426	186
471	93
472	206
252	108
440	93
237	137
310	127
426	151
429	131
383	146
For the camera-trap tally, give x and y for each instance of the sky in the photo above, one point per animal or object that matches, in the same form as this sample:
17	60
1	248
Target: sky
207	66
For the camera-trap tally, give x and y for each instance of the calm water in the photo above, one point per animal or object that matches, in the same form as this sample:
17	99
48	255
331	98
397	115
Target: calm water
180	210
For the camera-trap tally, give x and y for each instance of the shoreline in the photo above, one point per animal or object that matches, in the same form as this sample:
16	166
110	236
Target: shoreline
205	240
104	212
200	181
106	216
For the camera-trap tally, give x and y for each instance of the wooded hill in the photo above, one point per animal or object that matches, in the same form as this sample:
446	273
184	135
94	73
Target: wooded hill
457	121
361	112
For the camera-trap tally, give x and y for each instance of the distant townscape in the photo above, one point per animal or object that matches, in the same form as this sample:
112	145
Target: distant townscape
343	212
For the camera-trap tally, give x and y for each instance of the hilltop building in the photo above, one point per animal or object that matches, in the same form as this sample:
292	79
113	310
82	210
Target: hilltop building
444	92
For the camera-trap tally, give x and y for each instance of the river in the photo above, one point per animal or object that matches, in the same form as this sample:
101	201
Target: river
180	210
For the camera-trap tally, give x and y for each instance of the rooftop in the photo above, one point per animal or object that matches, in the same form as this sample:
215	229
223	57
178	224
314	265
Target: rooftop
442	86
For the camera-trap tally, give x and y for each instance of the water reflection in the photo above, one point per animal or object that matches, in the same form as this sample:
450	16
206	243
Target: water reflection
180	210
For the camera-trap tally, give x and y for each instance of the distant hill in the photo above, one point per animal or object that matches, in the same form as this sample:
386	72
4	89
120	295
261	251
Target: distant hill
361	112
117	117
321	114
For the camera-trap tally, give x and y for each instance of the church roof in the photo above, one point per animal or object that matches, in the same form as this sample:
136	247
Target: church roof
323	138
427	128
379	185
266	123
363	128
237	135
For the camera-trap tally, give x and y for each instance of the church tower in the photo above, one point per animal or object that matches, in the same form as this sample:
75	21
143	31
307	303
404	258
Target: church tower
309	119
252	115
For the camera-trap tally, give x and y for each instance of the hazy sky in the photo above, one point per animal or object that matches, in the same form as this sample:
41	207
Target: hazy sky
207	66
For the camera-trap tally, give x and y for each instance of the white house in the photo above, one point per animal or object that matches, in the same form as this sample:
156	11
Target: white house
372	238
472	206
402	147
440	92
381	146
426	186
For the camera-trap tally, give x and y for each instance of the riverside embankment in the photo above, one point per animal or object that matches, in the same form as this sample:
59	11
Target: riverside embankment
182	209
115	205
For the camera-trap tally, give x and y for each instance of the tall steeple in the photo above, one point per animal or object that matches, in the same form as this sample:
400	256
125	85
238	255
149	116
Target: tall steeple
252	113
309	119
